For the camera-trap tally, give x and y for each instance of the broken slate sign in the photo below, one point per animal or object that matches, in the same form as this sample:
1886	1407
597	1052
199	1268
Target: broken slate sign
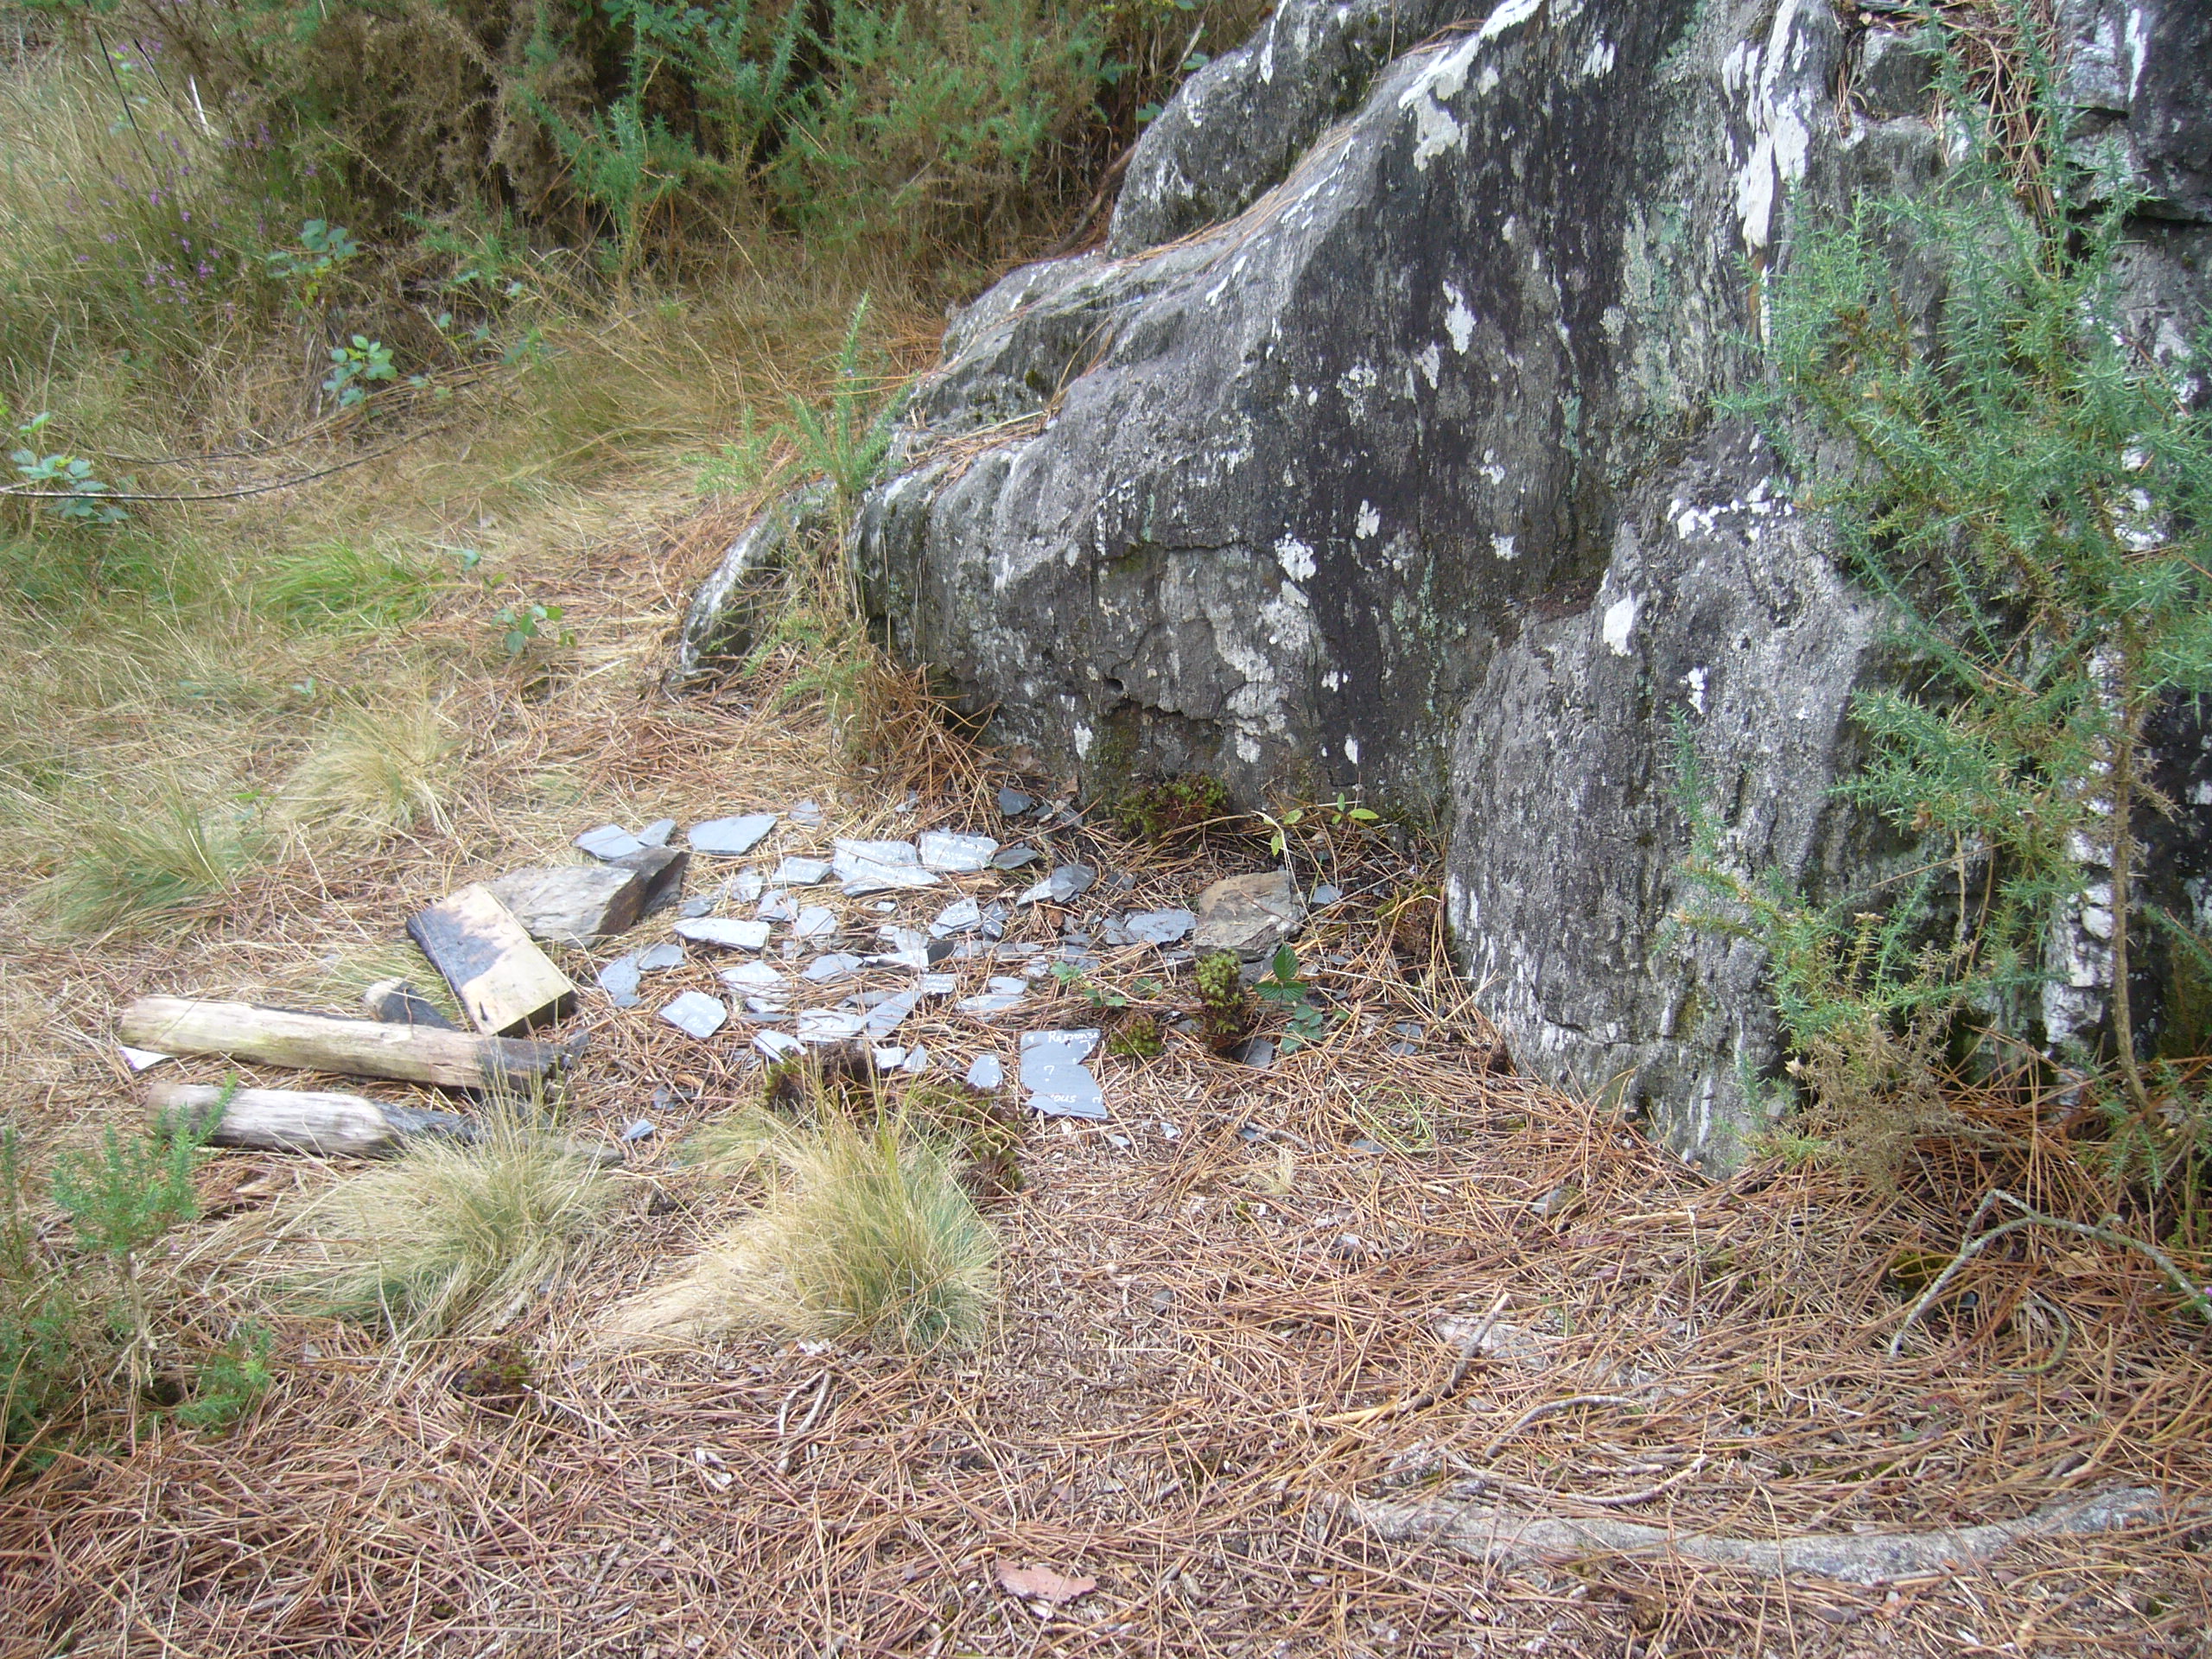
1053	1071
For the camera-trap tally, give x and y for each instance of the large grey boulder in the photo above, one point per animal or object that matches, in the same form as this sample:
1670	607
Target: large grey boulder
1404	476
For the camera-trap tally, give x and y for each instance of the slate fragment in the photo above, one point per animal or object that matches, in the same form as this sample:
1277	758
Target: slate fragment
1059	1084
731	837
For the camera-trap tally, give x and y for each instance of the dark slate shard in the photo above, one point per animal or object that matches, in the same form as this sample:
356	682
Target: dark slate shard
1013	858
1256	1051
1012	803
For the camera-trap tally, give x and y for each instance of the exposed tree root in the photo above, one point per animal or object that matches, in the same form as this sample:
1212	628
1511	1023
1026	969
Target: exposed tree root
1505	1538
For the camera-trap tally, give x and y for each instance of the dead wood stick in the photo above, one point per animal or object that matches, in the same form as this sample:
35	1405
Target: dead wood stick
1470	1350
2194	1298
1504	1538
323	1122
320	1042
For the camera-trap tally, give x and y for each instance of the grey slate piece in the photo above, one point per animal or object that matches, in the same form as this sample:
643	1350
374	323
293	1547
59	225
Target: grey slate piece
797	872
619	979
1013	858
988	1072
726	932
1160	926
609	840
957	855
697	1013
1012	803
654	958
731	837
1059	1084
657	833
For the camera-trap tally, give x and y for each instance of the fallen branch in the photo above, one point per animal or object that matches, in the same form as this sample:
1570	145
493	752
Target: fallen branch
1503	1538
2192	1295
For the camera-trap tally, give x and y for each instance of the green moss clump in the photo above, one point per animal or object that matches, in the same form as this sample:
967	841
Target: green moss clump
1226	1009
1136	1039
1170	806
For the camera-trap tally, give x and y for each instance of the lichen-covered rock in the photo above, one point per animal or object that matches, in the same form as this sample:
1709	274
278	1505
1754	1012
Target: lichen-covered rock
723	620
1403	475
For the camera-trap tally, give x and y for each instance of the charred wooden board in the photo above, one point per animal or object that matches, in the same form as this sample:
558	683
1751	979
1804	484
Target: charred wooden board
505	983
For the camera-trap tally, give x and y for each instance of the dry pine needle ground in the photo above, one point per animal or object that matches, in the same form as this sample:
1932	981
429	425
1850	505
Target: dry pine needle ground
1219	1313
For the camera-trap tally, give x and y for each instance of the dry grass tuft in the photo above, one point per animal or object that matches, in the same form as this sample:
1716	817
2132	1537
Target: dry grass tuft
137	863
869	1234
451	1237
378	769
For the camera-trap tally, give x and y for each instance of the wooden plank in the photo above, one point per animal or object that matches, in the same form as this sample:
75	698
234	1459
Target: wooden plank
504	982
321	1042
323	1122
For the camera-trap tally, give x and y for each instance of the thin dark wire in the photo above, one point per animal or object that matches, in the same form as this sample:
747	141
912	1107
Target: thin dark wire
25	492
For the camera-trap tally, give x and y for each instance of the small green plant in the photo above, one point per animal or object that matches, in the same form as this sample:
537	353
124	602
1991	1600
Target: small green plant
845	443
306	270
122	1201
228	1383
66	482
1171	806
355	366
1396	1120
1226	1009
1333	815
522	626
740	468
43	1319
1307	1022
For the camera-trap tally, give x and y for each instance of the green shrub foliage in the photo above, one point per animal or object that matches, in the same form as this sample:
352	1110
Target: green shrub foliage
937	125
2030	489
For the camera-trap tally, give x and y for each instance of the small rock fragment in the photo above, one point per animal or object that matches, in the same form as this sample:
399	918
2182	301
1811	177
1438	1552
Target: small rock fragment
1012	803
697	1013
1249	914
814	922
987	1073
397	1003
728	932
636	1129
1059	1084
866	867
795	872
573	904
656	958
619	979
731	837
778	1045
937	984
879	852
1070	881
1326	894
776	906
657	833
700	903
140	1059
828	1025
1257	1052
748	885
1013	858
998	996
887	1016
835	966
917	1061
609	840
941	850
807	815
958	918
1159	927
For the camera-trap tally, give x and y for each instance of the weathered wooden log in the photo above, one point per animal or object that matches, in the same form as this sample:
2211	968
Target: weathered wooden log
323	1122
321	1042
504	983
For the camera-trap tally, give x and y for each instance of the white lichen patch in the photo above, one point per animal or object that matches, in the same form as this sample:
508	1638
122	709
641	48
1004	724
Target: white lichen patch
1620	625
1458	320
1430	364
1505	547
1368	522
1296	559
